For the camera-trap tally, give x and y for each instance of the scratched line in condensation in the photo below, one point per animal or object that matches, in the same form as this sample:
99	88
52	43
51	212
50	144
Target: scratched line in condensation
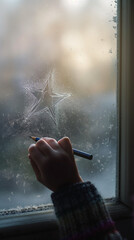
45	99
40	100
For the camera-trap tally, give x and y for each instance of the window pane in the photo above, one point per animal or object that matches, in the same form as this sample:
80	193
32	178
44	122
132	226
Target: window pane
58	77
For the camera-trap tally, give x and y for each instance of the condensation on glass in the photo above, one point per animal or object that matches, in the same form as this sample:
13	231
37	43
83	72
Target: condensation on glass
58	78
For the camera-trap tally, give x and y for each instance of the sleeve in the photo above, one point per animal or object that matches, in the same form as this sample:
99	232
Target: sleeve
82	214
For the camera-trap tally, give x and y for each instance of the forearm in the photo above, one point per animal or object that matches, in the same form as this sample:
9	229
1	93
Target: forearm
82	214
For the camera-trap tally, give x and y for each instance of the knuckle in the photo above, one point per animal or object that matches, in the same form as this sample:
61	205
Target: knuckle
66	139
40	143
32	148
52	140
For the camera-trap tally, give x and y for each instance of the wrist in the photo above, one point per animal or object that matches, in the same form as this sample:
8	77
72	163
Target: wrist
68	184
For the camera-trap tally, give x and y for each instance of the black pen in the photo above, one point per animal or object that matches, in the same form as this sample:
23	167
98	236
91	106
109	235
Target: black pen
75	151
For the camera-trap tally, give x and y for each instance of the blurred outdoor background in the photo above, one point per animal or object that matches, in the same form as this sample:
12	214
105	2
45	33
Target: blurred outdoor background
58	77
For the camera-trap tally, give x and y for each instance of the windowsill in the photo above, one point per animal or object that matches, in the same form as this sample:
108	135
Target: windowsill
45	221
27	223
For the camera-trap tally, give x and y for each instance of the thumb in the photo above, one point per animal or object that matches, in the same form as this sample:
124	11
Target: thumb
66	144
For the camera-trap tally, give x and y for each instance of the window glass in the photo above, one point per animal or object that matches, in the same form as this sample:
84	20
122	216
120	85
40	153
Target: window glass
58	78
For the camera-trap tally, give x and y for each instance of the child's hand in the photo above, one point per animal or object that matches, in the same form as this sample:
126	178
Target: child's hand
53	163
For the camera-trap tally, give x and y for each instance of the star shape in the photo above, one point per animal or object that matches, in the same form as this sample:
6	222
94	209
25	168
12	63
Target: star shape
45	99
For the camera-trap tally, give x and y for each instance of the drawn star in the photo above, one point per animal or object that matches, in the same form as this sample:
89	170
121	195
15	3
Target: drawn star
39	98
45	99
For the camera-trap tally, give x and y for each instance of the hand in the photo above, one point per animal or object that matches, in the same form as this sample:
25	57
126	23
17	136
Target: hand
53	163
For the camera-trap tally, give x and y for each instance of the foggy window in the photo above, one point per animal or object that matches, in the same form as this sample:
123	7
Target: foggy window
57	78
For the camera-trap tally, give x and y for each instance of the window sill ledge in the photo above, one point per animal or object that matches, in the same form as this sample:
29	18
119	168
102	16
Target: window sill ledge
45	221
118	210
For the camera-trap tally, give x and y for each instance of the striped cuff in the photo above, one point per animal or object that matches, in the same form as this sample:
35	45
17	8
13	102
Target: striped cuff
81	212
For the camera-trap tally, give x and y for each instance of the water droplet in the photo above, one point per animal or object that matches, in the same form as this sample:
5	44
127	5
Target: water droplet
110	50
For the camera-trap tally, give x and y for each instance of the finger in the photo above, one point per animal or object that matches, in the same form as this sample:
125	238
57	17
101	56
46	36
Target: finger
66	144
44	147
36	156
32	145
52	142
35	168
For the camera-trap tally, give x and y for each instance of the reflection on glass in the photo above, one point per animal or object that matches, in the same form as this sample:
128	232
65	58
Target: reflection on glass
58	77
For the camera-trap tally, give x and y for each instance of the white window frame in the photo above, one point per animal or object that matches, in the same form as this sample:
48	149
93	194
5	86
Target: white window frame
41	221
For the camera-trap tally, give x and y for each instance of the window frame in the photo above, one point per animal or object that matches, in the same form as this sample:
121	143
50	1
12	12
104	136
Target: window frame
40	221
125	102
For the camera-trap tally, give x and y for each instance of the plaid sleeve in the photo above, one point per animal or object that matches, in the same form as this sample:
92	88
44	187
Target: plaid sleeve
82	214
